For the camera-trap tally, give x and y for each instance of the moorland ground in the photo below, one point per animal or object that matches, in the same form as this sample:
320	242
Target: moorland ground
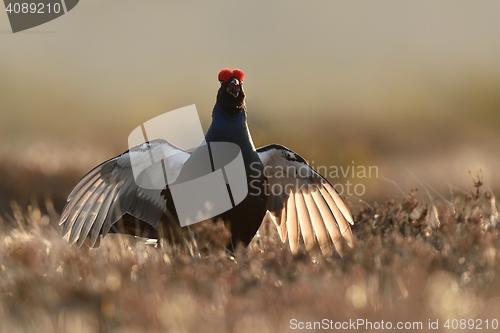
417	264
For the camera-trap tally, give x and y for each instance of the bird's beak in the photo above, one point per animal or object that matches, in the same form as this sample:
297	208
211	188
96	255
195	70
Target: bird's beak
234	87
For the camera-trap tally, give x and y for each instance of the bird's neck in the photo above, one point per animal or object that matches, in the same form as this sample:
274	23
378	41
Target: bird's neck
230	126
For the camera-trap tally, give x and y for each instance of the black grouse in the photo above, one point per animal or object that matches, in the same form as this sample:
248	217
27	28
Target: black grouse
280	184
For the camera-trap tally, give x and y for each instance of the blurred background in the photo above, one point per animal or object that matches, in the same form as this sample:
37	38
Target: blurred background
411	88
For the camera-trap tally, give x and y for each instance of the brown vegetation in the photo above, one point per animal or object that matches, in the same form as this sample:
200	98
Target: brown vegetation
413	262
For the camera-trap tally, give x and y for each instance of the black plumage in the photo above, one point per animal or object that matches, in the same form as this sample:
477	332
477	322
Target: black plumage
306	203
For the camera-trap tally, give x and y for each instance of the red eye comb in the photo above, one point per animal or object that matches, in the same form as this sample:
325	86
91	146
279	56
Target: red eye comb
238	73
226	74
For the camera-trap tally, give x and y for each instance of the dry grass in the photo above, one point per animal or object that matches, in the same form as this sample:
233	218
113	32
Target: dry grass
413	262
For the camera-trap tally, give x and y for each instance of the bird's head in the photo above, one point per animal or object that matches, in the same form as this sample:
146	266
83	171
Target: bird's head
231	95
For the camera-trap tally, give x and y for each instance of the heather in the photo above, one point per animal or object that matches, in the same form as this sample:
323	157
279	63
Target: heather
414	261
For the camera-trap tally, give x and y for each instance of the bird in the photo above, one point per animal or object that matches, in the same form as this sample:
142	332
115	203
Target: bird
282	187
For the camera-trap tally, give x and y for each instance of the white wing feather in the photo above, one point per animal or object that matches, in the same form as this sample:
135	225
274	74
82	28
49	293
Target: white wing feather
107	192
301	201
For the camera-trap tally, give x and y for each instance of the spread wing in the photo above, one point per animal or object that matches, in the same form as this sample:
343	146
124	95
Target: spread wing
301	201
110	190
